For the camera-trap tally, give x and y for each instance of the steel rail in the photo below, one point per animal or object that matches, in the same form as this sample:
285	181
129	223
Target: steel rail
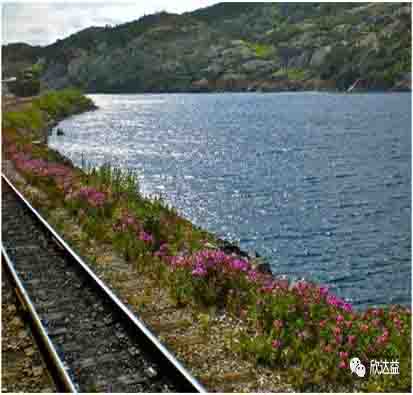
188	382
59	372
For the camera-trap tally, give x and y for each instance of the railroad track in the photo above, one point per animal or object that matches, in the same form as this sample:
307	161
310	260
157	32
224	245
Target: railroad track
93	342
23	367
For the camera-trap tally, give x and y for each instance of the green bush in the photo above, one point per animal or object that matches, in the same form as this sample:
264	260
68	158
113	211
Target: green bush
53	104
261	50
30	119
293	74
62	103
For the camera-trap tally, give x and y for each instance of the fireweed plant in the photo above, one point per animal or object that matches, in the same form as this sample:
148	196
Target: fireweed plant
300	326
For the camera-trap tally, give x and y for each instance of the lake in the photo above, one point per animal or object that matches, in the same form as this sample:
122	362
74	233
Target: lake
319	184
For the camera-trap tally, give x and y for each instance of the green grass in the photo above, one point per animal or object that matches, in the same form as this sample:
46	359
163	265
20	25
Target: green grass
31	119
294	74
121	182
50	105
61	103
260	50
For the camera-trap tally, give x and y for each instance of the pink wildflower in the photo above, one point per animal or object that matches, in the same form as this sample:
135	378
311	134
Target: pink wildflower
163	251
348	324
146	237
378	312
342	365
328	348
239	265
199	271
376	322
276	344
278	324
397	323
351	340
343	354
92	196
384	338
364	328
253	276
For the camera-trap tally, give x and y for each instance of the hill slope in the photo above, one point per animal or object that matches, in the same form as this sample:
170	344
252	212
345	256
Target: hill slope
235	46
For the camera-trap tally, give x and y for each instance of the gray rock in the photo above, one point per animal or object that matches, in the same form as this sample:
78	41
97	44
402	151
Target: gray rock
406	10
257	65
300	61
371	41
280	75
29	351
233	76
151	372
239	53
37	371
320	55
407	76
201	85
264	267
171	66
56	76
213	70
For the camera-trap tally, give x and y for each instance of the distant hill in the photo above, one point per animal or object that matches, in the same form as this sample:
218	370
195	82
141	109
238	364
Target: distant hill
234	46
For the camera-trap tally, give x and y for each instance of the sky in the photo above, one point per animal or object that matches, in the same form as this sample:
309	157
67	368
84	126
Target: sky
42	23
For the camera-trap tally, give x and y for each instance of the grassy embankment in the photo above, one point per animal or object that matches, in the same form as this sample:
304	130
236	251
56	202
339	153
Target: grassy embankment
45	111
302	327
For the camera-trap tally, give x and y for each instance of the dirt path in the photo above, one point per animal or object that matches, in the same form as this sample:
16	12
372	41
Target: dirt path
15	103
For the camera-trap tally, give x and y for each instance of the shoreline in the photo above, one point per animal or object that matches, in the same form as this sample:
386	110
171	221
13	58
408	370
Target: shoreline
265	266
183	269
206	92
222	244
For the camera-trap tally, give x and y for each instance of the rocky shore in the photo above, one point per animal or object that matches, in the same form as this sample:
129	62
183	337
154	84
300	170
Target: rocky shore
54	121
242	85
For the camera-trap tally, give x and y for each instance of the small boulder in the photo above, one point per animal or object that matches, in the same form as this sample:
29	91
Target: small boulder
320	55
264	267
201	85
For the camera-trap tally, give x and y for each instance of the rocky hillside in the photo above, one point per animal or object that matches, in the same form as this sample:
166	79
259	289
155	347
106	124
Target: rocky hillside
234	46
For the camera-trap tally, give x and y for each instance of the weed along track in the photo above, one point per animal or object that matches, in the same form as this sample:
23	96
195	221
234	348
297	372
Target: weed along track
101	345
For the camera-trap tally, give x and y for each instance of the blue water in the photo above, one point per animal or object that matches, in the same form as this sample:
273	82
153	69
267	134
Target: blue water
319	184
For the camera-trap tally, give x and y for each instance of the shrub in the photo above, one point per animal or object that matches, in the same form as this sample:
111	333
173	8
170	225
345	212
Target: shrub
294	74
58	104
30	119
52	104
261	50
